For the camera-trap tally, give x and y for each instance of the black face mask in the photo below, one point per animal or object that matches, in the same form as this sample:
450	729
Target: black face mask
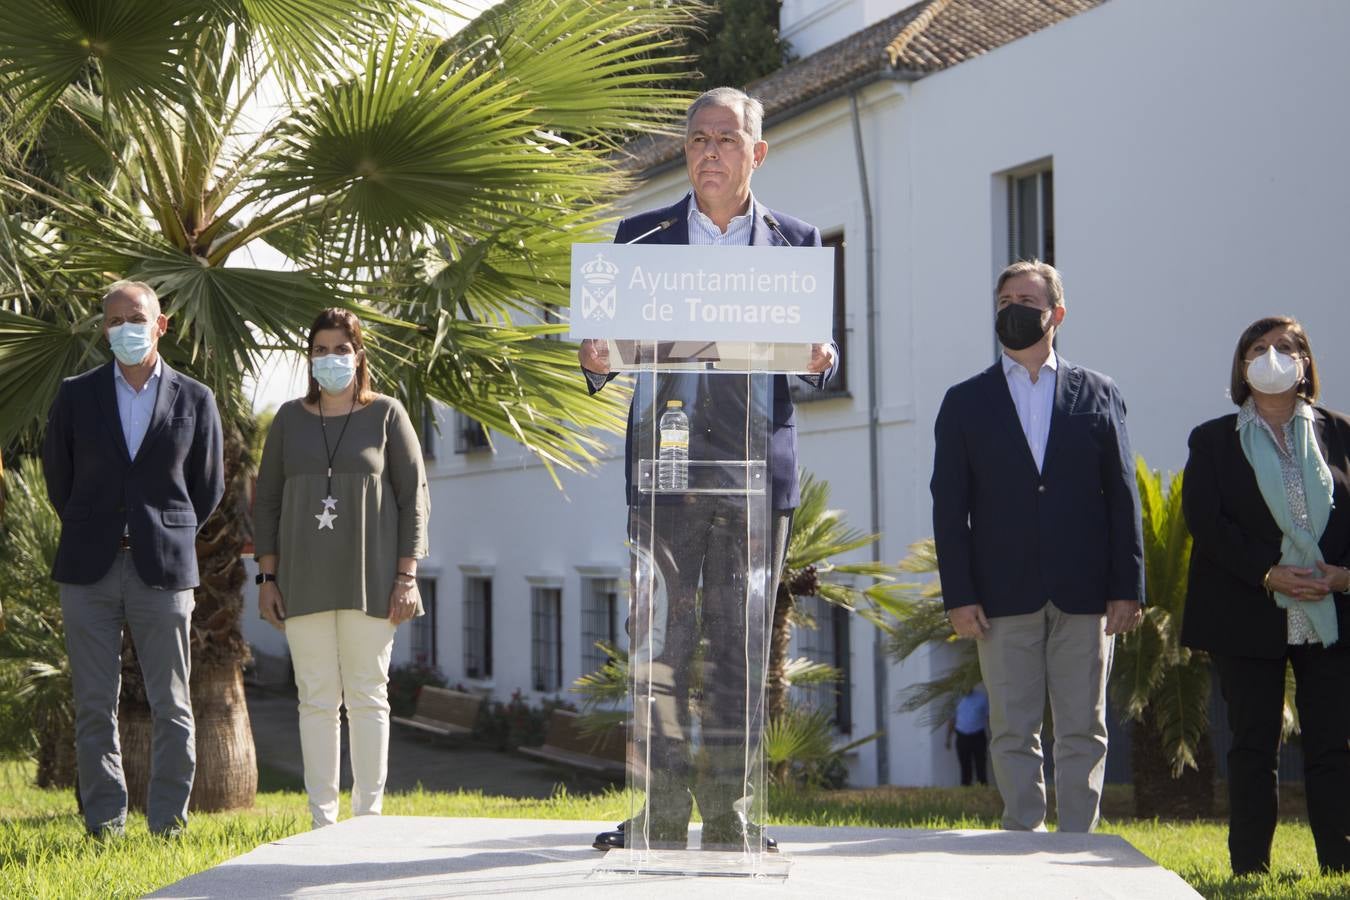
1018	327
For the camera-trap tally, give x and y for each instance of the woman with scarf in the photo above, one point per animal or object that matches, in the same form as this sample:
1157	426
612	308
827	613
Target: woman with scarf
1267	497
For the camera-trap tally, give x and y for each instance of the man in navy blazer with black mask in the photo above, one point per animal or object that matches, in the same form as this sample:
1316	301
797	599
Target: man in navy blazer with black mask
723	147
1040	547
133	462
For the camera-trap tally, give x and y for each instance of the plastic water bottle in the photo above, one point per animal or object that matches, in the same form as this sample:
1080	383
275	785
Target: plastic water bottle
672	472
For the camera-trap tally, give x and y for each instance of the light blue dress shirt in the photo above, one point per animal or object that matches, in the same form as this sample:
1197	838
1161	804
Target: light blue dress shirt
703	231
1034	402
135	407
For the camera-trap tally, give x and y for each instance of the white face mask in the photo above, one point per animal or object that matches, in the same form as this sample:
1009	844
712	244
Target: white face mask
334	371
132	342
1273	372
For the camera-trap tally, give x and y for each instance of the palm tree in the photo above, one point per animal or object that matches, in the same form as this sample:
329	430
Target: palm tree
432	183
810	569
1161	686
34	674
917	618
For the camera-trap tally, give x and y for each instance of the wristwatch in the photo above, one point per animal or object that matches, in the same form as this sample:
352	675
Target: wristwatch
264	576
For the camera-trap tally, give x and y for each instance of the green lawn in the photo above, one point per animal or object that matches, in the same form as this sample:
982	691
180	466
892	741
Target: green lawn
44	852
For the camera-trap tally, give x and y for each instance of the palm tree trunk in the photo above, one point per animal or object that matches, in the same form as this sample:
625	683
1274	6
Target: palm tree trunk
56	754
227	770
1156	792
780	640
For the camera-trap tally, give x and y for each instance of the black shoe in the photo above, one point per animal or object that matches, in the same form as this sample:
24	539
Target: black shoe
725	833
614	840
609	840
770	845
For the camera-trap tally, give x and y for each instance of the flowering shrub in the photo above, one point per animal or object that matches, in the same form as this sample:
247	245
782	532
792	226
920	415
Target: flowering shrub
515	723
405	683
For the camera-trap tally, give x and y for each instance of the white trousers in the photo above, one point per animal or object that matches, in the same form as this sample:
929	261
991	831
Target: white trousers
341	657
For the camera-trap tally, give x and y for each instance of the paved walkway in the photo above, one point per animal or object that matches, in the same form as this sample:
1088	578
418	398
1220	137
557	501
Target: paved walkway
437	765
409	857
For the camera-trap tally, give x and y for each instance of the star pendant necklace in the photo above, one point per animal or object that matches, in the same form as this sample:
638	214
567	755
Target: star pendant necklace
329	502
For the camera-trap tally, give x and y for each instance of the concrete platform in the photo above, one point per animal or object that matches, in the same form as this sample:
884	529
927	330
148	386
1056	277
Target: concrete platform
407	857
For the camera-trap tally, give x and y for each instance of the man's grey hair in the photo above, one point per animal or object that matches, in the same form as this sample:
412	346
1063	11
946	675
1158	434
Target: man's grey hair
118	288
750	110
1049	275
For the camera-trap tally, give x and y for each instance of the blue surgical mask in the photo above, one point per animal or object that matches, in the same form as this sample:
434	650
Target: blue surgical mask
132	342
334	372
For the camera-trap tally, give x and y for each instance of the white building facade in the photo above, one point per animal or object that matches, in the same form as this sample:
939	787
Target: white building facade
1183	162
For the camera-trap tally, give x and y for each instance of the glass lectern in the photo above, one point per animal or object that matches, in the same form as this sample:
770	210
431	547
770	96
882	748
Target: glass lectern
702	545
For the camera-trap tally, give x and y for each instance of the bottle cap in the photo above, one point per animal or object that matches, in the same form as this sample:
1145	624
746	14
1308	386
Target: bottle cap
674	403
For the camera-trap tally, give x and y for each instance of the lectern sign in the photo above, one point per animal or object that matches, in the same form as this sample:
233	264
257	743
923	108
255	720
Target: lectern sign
773	294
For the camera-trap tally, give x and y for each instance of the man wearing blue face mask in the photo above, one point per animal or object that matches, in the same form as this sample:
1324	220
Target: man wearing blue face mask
133	462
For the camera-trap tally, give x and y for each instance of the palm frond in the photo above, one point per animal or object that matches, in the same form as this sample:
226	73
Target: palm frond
799	736
35	354
525	37
924	622
608	685
1181	710
1167	541
804	672
300	37
937	697
131	47
418	142
1139	664
921	557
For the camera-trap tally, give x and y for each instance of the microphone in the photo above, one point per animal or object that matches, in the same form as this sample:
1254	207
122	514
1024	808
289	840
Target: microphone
773	226
660	226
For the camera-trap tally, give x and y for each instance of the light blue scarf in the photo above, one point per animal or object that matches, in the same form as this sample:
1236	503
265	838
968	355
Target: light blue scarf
1298	548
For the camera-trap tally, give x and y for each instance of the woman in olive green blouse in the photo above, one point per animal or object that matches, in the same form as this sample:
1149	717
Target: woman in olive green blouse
340	520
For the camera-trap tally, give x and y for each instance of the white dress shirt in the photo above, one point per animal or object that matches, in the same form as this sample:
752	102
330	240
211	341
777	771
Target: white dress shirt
135	407
1034	402
704	231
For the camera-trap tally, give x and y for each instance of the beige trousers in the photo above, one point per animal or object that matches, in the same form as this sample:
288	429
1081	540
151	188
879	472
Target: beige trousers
1069	657
342	658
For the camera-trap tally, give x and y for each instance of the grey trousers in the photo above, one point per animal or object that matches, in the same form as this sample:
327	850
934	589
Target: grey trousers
1022	659
95	615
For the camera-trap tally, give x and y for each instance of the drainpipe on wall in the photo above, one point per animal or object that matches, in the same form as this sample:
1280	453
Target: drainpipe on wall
880	673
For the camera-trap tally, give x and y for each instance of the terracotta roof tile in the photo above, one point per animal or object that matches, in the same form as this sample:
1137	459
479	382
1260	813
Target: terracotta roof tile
921	39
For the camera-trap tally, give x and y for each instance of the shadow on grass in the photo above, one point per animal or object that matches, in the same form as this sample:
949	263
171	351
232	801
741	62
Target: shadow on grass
273	780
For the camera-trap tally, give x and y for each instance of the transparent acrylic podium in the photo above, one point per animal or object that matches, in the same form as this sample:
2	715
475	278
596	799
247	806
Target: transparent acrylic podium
700	608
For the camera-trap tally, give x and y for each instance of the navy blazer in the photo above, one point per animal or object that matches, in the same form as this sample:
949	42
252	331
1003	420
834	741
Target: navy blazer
1013	539
162	497
782	462
1235	541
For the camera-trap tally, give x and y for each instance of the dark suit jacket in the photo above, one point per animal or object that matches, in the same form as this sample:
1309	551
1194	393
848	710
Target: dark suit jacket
783	435
1236	541
162	497
1013	539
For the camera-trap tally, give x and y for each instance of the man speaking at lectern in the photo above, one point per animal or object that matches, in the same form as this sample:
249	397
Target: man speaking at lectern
723	146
